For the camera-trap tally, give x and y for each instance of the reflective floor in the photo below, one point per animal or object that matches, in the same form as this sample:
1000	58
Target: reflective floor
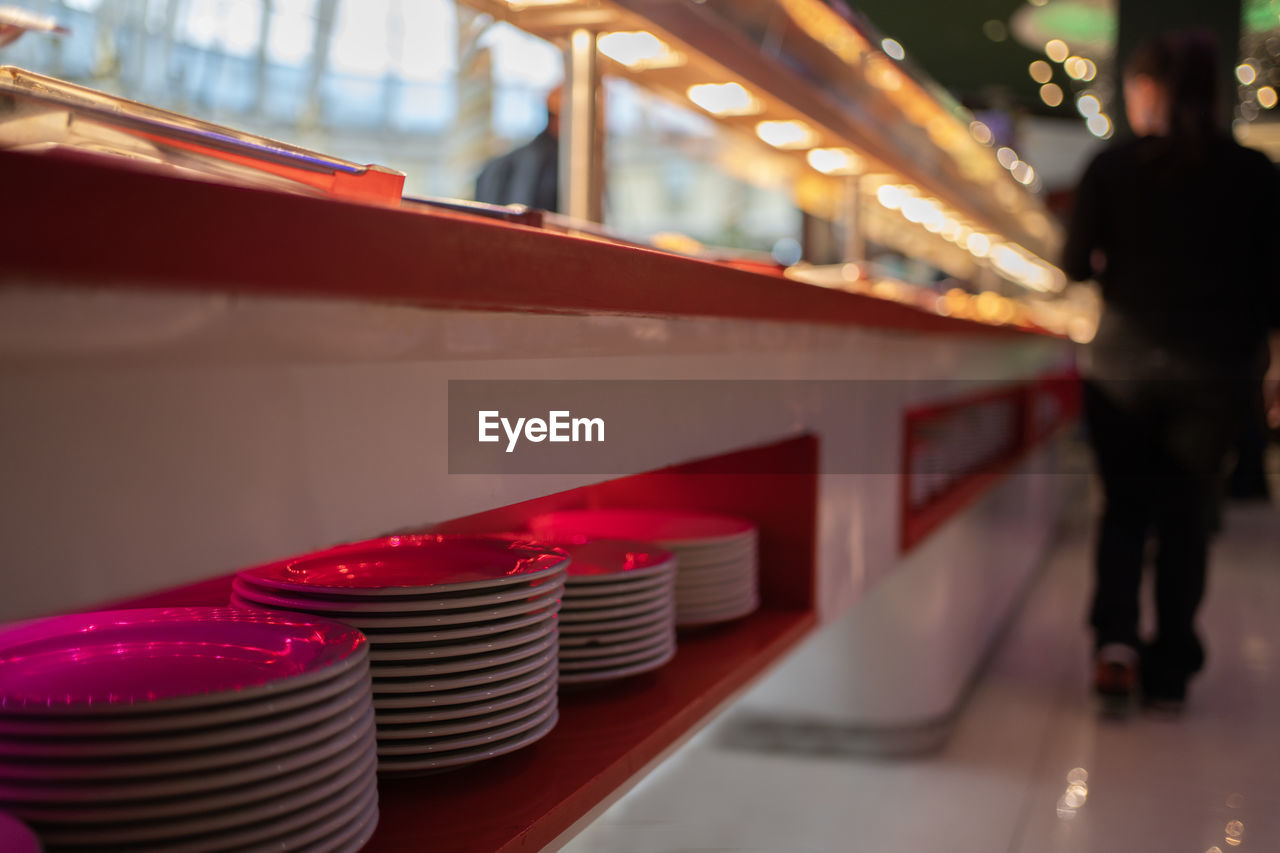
1031	766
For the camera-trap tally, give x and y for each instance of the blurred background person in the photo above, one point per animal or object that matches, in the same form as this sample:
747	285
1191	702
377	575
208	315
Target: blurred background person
1176	224
530	174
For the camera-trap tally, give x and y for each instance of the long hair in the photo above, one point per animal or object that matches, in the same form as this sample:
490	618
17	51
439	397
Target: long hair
1185	65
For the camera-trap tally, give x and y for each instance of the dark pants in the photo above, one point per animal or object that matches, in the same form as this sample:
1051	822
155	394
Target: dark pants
1160	447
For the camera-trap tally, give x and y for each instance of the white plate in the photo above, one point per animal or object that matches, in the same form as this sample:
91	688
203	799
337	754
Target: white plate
576	607
418	716
716	555
350	840
327	605
332	830
577	641
157	812
381	651
469	740
389	732
392	764
619	672
283	832
256	705
413	564
447	666
609	614
605	650
261	819
618	586
160	660
662	646
383	685
120	768
134	796
125	748
597	626
419	620
382	639
482	693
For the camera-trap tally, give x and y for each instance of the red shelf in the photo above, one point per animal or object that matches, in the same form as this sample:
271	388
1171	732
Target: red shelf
607	734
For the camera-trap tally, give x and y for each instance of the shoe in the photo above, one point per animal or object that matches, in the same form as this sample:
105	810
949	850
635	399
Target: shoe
1115	676
1163	691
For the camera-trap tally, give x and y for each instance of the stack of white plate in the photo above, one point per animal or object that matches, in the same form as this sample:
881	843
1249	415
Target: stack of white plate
716	577
462	632
619	610
188	729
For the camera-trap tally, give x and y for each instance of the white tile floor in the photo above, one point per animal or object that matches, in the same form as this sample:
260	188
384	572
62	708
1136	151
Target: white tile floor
1208	780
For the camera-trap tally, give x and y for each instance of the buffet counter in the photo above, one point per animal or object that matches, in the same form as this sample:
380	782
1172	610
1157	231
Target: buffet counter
199	377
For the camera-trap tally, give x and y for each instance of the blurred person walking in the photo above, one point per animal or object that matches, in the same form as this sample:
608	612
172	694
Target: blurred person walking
530	174
1177	224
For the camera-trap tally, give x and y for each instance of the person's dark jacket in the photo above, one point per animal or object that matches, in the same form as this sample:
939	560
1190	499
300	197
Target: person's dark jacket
528	175
1187	239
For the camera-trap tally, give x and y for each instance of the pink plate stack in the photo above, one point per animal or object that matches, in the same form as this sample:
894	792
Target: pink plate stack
188	729
716	574
462	631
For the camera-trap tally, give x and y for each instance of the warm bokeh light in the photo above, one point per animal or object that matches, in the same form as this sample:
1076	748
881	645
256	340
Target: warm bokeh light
978	245
1057	50
835	161
639	50
1075	67
892	48
1023	173
1040	71
890	196
981	132
724	99
787	134
1051	94
1246	73
1267	97
1007	157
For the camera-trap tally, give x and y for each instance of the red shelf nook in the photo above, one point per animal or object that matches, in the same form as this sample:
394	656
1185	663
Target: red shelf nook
607	734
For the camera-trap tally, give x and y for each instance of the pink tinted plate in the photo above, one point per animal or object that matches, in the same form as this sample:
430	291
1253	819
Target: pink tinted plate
15	837
402	565
134	661
605	560
666	527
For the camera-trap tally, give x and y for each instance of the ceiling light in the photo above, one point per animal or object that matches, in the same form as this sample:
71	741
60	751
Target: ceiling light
835	161
724	99
639	50
787	134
